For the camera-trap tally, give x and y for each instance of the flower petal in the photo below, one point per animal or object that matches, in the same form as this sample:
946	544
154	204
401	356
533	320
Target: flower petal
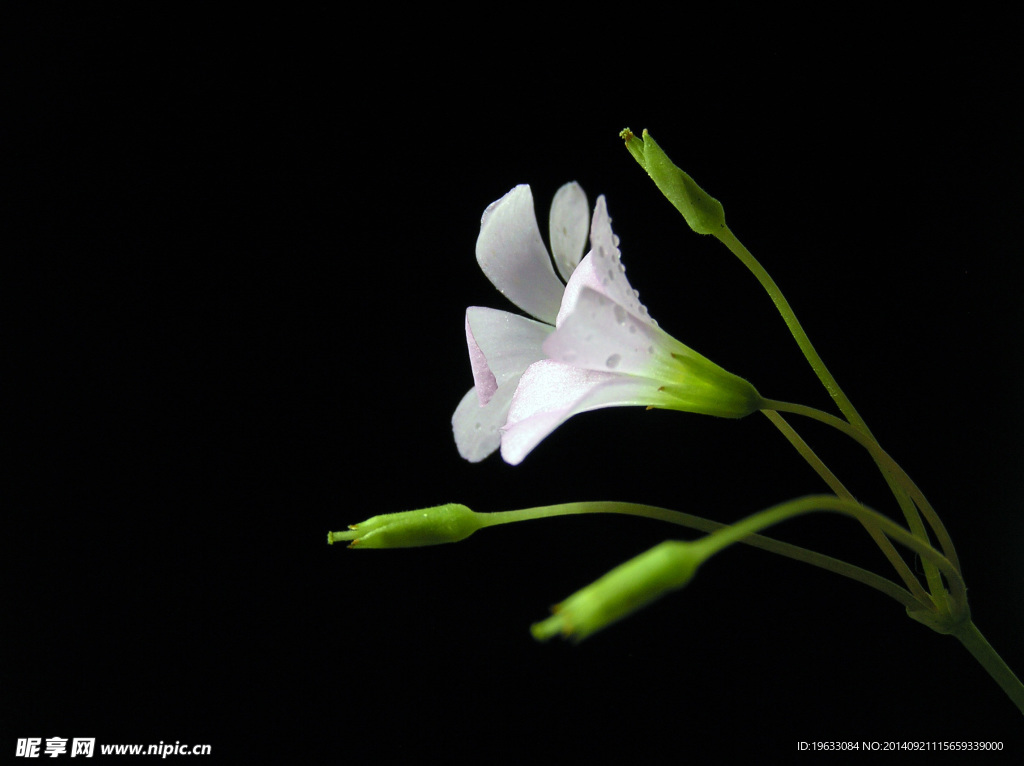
511	253
602	270
476	427
599	334
501	346
549	393
568	223
602	336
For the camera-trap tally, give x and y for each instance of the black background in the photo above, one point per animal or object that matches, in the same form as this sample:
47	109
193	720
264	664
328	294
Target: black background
240	257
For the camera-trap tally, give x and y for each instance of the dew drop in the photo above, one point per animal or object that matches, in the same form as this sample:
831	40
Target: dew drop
613	361
620	315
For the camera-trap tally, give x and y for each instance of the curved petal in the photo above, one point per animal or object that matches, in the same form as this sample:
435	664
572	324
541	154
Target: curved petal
602	270
512	255
599	334
549	393
477	428
585	276
501	346
568	224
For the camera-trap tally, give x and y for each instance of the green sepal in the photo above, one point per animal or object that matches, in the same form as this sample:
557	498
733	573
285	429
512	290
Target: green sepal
702	212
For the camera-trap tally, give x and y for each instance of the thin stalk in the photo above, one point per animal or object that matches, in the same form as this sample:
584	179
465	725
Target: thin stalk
808	454
890	468
727	238
883	542
982	651
783	511
690	521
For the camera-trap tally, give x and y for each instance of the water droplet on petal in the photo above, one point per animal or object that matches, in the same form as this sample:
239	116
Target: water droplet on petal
613	361
620	315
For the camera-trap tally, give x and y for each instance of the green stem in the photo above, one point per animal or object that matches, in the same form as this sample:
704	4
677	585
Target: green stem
689	521
891	468
897	475
783	511
883	542
808	454
727	238
969	635
745	531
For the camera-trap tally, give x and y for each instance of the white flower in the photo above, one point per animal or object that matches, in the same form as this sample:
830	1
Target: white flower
608	352
501	344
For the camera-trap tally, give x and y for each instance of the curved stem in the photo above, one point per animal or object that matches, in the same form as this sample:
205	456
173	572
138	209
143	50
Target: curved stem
745	531
727	238
883	542
690	521
892	468
783	511
808	454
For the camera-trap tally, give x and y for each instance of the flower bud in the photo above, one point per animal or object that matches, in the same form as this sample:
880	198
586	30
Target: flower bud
428	526
625	589
702	211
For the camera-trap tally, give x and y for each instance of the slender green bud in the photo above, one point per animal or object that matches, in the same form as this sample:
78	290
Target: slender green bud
410	529
702	211
624	590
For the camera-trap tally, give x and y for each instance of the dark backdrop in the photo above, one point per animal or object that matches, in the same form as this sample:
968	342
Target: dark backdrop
240	265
